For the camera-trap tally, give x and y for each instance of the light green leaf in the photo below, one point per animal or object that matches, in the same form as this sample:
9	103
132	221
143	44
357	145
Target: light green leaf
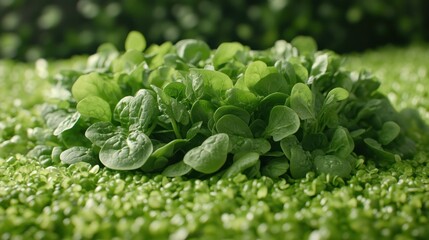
336	95
304	44
214	83
95	107
93	84
193	50
225	52
135	41
255	72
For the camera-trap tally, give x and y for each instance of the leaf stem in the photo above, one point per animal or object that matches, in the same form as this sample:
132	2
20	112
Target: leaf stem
176	129
150	130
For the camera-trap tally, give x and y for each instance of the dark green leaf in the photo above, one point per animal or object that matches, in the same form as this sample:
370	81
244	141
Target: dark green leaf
301	101
333	165
246	161
283	122
275	167
210	156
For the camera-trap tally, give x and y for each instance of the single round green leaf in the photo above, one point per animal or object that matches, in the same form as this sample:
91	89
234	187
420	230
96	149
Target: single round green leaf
177	169
202	111
244	162
193	50
320	65
233	125
241	144
241	98
225	52
99	132
214	83
126	152
231	109
301	101
389	132
93	84
304	44
95	107
283	122
255	72
300	163
333	165
77	154
68	123
336	95
210	156
135	41
276	167
342	143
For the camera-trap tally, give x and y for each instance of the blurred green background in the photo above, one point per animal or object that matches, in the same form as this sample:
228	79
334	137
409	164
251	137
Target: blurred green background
59	29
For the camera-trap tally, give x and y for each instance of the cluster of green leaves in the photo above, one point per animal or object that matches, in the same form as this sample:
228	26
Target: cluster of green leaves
185	109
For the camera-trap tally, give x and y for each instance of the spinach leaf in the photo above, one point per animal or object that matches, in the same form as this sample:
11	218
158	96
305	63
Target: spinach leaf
320	65
233	125
241	98
271	83
225	52
77	154
95	107
241	144
231	110
68	123
202	111
275	167
333	165
135	41
336	95
193	51
99	132
177	169
94	84
305	45
254	73
301	101
342	143
126	151
300	163
214	83
246	161
283	122
210	156
388	132
138	112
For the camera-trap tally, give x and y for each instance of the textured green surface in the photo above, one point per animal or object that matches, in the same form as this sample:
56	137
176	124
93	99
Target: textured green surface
79	201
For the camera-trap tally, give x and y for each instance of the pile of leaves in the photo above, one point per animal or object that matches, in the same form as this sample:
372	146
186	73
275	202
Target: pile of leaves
185	109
